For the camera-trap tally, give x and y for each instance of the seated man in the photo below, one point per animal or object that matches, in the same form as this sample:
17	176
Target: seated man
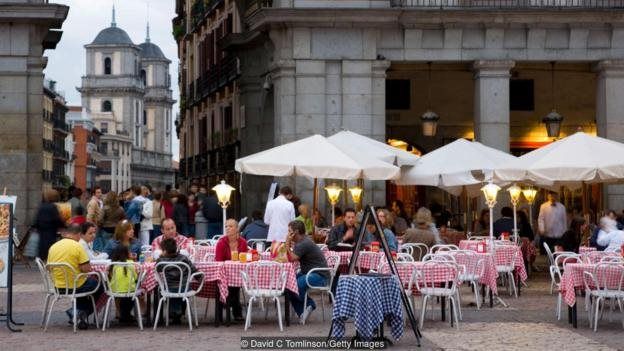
505	223
344	233
169	231
68	250
256	229
301	248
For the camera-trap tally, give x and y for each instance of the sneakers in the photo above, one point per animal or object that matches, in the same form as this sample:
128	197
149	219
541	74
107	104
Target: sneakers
82	320
306	314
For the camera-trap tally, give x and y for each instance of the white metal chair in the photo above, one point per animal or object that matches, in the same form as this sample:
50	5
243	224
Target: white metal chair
472	270
182	291
255	290
506	270
216	238
407	286
333	262
612	259
69	290
48	287
256	243
442	256
431	287
555	275
404	257
604	283
418	250
203	242
133	272
479	238
443	247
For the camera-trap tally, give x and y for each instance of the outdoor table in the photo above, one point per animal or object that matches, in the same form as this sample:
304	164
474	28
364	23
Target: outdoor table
366	261
368	300
586	249
596	256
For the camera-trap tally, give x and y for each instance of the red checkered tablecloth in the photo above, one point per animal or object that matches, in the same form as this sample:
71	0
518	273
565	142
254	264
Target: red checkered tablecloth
213	280
573	278
149	282
503	254
586	249
436	273
490	274
232	275
203	250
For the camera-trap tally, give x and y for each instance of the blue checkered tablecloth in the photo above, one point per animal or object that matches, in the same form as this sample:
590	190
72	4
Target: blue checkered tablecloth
368	300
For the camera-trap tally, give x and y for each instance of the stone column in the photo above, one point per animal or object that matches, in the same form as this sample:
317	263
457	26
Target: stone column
491	103
610	116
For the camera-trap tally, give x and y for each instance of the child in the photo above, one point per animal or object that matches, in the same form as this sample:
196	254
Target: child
123	280
170	253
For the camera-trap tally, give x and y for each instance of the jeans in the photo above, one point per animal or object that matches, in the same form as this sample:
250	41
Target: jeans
84	303
155	233
214	228
101	240
296	301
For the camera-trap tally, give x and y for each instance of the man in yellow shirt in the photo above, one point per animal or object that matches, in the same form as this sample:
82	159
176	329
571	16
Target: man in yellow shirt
68	250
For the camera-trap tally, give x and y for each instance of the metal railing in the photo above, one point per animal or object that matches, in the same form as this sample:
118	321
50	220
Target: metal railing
509	4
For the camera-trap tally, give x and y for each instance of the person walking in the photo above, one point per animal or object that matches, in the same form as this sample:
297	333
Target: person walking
551	222
48	222
279	212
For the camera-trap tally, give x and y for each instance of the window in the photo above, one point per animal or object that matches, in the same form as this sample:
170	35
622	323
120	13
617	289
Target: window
144	117
398	94
104	148
227	117
104	127
144	77
107	66
136	113
521	95
107	106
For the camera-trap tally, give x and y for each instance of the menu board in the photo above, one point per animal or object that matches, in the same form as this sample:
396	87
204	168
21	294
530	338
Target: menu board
6	221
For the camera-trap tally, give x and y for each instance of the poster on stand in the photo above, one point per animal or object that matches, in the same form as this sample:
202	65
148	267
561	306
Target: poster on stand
7	203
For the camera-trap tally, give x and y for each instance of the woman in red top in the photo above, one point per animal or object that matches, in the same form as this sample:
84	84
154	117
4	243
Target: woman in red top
167	204
230	242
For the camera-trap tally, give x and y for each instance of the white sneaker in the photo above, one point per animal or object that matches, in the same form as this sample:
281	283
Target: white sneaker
305	314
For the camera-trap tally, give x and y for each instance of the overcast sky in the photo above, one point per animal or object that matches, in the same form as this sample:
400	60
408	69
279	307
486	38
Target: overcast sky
87	18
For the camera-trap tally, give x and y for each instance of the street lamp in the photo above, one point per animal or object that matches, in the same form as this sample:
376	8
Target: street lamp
553	124
529	195
489	191
356	195
333	194
223	191
514	193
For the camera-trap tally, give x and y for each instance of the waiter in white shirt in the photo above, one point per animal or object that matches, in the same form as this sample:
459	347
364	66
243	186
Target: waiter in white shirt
279	212
551	221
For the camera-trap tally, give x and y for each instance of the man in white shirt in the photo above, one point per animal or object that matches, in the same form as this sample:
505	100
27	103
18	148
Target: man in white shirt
279	212
552	221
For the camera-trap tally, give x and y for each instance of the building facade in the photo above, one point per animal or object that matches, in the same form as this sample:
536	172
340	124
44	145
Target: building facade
56	130
27	29
490	70
209	122
85	148
127	91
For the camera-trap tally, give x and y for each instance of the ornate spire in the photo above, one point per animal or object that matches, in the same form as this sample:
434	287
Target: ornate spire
113	22
147	37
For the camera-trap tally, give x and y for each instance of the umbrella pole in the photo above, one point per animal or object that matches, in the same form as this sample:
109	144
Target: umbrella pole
315	196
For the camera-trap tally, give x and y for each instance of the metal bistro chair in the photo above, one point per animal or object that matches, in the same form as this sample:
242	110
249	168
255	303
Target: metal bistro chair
183	290
443	247
404	257
69	290
254	243
429	286
604	283
417	250
333	262
472	269
132	271
253	287
506	269
442	256
555	275
408	286
48	288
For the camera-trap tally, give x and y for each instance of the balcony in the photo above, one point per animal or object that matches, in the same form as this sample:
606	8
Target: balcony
48	145
215	78
46	175
61	126
508	4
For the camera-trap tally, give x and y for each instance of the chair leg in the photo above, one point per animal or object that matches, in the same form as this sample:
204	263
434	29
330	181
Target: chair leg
189	313
279	312
476	292
45	328
597	307
248	317
160	302
207	305
512	282
458	303
138	311
322	306
558	313
106	309
75	310
45	308
195	311
423	310
305	302
95	312
167	312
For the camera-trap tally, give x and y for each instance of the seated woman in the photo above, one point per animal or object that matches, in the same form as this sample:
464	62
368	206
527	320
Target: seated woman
231	242
87	236
124	235
422	233
372	234
571	239
170	253
609	235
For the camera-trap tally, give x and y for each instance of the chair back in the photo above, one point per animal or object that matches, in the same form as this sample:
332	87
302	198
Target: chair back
551	258
470	263
597	256
443	247
418	250
612	259
48	284
177	271
438	275
62	269
267	276
203	242
479	238
333	262
568	257
608	276
254	243
216	238
127	285
442	256
404	257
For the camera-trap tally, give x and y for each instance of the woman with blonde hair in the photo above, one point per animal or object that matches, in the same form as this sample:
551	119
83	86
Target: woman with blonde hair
48	222
124	235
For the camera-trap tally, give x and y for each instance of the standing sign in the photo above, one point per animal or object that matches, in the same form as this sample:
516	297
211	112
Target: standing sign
7	206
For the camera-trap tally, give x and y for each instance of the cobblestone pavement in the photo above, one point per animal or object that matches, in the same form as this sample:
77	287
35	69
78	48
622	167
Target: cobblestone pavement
529	323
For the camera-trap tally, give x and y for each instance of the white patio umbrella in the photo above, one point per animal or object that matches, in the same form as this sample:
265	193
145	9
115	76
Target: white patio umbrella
571	161
453	166
315	157
356	144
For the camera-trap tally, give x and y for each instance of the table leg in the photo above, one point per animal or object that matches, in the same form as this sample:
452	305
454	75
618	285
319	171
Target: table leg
518	281
574	316
491	299
569	314
443	308
218	313
287	309
148	307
